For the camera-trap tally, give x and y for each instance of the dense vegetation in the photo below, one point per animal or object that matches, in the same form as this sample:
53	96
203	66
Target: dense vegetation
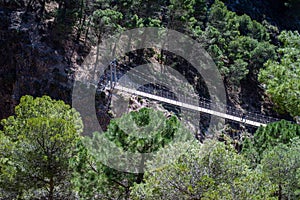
282	77
44	157
43	154
36	146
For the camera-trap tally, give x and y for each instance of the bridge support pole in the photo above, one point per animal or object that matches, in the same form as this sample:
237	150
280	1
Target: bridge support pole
115	73
111	79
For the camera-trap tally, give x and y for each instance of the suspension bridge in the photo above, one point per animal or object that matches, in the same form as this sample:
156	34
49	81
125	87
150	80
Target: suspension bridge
195	103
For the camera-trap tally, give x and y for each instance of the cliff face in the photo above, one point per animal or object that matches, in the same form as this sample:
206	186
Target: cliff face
275	12
30	63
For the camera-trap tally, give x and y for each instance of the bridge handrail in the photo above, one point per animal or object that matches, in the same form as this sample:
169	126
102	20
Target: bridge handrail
202	102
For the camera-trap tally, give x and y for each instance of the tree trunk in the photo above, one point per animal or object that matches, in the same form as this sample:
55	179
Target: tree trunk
51	189
279	192
81	21
87	31
140	176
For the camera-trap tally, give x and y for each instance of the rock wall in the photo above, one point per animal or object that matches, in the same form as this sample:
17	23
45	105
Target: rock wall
29	64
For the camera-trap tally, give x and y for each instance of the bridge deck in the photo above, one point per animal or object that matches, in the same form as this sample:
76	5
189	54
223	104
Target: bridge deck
189	106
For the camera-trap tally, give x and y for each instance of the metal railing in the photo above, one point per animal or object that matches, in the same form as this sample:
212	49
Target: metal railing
158	88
